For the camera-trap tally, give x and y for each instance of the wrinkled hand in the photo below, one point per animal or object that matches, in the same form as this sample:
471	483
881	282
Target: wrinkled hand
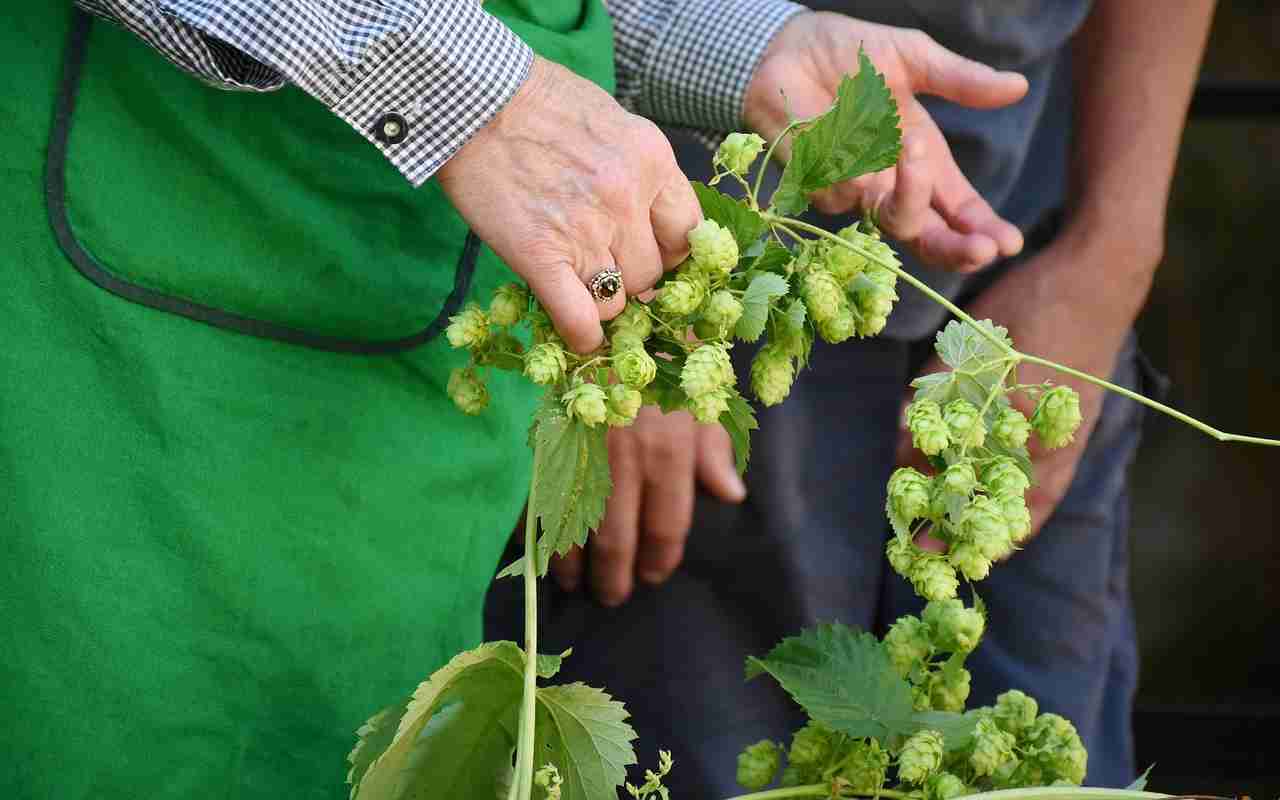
655	464
562	183
924	202
1054	308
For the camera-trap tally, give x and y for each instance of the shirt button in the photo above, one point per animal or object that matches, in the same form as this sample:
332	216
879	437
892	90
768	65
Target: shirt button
391	129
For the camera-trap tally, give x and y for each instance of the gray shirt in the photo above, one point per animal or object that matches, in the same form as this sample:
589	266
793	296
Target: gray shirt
1016	157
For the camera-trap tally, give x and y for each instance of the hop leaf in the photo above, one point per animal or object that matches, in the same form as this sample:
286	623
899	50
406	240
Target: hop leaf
467	391
954	628
921	756
468	328
508	305
772	374
761	292
738	152
1057	416
713	247
586	402
758	765
545	363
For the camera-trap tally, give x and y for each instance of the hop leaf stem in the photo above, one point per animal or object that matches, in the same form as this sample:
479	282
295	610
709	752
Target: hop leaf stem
1016	357
522	785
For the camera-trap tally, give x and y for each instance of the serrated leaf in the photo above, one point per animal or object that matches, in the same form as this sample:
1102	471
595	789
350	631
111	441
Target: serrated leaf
858	135
571	484
548	665
503	352
843	678
457	735
372	740
1140	783
773	258
739	421
582	731
746	225
762	291
665	390
956	729
961	346
795	314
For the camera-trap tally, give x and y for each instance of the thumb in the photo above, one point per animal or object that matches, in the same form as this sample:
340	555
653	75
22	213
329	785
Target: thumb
938	71
717	470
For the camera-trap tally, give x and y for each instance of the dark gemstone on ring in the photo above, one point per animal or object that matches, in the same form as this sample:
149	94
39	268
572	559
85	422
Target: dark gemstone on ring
609	286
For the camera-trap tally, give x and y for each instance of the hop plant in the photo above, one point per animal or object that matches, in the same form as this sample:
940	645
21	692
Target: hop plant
930	434
864	767
949	689
1016	515
772	374
635	367
508	305
468	328
902	555
758	765
624	404
633	320
586	402
738	152
839	328
707	408
909	493
1004	476
822	295
713	248
680	297
969	561
960	478
1011	428
545	363
1015	712
844	263
549	780
964	423
933	578
707	369
723	309
992	747
1055	746
954	627
921	756
908	643
811	746
1057	416
467	391
982	523
944	786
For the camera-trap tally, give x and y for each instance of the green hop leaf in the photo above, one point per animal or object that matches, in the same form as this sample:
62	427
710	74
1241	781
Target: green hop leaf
857	136
467	391
737	217
1057	416
468	328
738	152
758	765
760	294
739	421
579	731
921	756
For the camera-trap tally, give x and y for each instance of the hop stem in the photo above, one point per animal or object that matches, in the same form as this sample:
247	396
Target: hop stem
792	225
816	790
522	785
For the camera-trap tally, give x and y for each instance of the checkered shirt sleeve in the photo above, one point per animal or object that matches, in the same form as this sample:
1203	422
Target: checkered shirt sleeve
418	78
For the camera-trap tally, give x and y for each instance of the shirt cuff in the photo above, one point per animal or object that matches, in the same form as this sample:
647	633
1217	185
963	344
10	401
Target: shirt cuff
428	96
701	62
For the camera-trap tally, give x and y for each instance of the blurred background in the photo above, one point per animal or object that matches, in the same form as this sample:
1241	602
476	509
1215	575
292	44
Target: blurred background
1206	560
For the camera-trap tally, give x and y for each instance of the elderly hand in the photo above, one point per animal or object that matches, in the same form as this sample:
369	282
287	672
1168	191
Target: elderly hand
925	201
564	182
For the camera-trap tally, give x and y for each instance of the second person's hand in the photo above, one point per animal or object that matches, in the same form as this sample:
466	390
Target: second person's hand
656	465
563	183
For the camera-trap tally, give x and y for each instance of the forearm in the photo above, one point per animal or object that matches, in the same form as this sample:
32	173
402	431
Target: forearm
1135	66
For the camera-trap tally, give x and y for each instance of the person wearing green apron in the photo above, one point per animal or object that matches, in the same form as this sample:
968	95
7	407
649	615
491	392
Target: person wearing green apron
240	512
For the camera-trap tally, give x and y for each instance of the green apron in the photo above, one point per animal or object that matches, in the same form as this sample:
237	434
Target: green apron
239	512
